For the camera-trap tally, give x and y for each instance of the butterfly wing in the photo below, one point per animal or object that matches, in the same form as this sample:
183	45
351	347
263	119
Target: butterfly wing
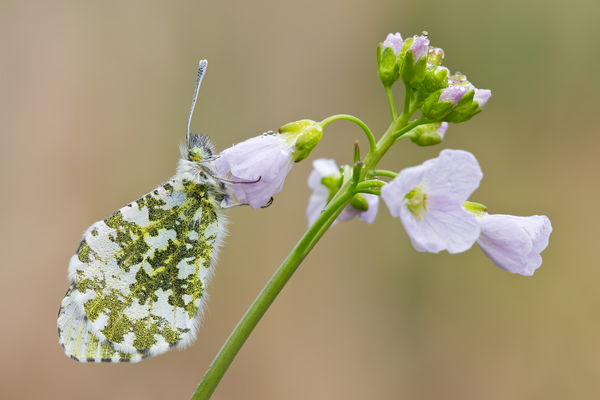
138	277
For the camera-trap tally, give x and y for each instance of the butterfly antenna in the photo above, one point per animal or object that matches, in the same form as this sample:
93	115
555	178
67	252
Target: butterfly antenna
201	71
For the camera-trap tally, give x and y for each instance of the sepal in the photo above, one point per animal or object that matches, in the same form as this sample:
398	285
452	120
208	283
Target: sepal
434	109
387	65
302	136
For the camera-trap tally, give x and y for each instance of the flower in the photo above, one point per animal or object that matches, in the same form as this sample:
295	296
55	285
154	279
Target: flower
325	180
412	60
322	168
394	41
265	160
428	199
514	243
387	57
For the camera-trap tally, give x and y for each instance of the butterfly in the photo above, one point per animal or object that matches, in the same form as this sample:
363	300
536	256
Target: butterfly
138	278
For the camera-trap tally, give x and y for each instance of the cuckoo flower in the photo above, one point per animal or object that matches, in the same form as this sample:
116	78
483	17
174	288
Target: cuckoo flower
264	161
428	199
512	243
325	180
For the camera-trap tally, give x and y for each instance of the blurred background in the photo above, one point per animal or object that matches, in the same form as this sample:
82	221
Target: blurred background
94	102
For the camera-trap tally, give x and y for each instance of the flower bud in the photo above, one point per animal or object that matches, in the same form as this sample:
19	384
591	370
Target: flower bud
476	209
412	60
465	109
436	78
387	57
434	108
359	201
428	134
470	104
333	183
302	136
435	56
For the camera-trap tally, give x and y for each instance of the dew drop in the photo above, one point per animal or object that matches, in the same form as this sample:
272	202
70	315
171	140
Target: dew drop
425	33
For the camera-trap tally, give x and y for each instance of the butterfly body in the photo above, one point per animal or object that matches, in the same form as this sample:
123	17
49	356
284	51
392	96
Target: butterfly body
138	278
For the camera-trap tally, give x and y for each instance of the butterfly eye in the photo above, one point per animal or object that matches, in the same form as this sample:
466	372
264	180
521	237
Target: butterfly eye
196	154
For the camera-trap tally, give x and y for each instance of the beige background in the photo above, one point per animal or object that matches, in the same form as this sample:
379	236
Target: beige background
94	101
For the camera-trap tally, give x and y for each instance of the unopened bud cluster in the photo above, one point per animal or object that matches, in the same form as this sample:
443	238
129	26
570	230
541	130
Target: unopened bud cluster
444	97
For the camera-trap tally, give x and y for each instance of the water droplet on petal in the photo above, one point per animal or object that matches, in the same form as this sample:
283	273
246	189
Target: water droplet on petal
425	33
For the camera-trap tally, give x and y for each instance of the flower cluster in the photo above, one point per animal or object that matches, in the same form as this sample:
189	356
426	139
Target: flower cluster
431	199
446	97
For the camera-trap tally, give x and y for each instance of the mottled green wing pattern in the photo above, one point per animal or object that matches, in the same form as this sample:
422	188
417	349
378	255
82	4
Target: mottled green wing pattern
138	276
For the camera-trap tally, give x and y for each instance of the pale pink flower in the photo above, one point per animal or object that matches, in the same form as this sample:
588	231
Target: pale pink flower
266	159
428	199
514	243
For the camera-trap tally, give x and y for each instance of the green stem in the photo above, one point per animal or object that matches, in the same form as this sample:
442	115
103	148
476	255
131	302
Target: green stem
266	297
258	308
370	191
346	117
390	96
408	96
383	172
369	184
400	133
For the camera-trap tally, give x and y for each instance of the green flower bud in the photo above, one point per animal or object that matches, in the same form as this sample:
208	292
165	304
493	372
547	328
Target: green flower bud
303	136
435	56
428	134
479	210
412	60
434	109
359	202
333	183
465	109
387	66
436	78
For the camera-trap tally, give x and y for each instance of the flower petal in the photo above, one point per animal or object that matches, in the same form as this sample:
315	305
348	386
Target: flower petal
369	215
455	176
394	41
322	167
266	159
453	229
260	156
393	193
482	96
